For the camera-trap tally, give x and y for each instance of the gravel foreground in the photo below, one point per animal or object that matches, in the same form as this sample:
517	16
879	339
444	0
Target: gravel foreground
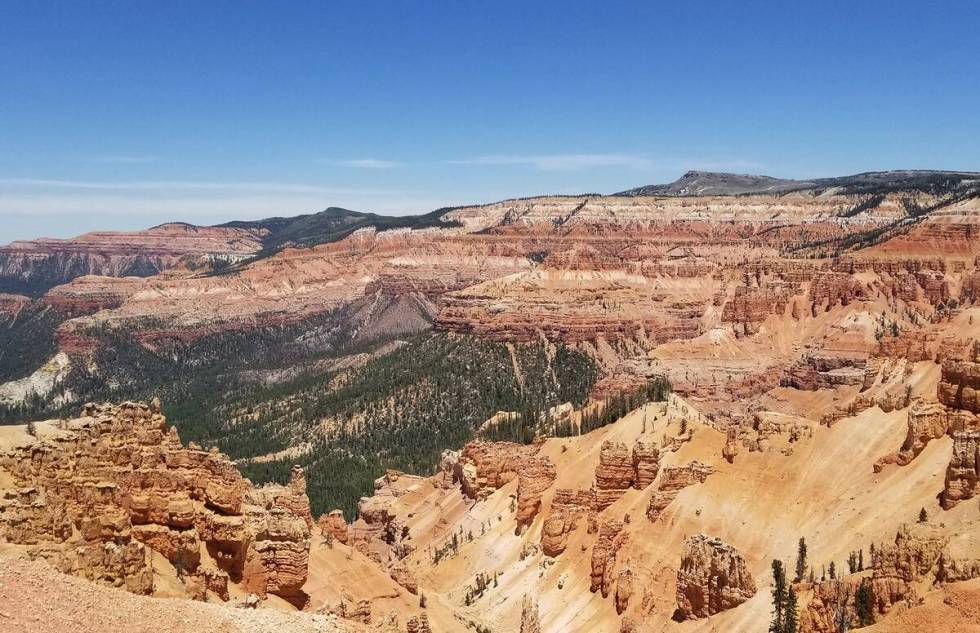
34	598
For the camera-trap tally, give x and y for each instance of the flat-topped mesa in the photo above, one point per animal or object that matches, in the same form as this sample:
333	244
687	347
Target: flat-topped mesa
36	265
712	578
126	484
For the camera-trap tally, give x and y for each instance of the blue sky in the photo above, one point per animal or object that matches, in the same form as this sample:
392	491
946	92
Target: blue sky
126	114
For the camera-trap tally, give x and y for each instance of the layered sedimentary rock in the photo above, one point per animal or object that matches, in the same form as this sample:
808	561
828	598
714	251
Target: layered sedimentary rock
824	369
898	570
928	421
620	469
646	463
333	523
125	483
418	624
536	475
752	305
673	479
712	578
567	507
378	533
963	472
614	474
624	590
610	539
960	384
42	263
486	466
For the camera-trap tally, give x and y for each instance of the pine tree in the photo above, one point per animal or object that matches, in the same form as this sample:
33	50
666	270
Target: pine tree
778	624
833	570
864	602
792	623
923	517
800	560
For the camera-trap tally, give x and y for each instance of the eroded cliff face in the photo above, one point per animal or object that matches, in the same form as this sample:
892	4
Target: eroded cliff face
37	265
712	578
101	494
916	561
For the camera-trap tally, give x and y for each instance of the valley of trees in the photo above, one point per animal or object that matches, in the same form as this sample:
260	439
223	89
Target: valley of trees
346	411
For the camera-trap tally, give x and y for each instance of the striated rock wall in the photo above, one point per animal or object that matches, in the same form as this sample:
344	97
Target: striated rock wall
825	369
752	305
567	507
610	539
959	386
899	571
95	492
535	476
486	466
36	265
963	473
712	578
673	479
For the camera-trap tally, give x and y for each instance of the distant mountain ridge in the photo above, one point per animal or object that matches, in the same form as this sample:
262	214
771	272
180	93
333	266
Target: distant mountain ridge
705	183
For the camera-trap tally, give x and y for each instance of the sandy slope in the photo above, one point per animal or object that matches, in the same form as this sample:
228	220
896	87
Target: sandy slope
35	598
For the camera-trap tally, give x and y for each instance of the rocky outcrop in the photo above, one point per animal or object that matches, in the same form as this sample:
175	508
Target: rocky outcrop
959	386
730	449
712	578
333	523
96	493
567	507
610	539
752	305
620	469
418	624
963	473
823	369
534	477
405	578
614	474
830	289
486	466
530	623
646	463
928	421
898	571
624	590
673	479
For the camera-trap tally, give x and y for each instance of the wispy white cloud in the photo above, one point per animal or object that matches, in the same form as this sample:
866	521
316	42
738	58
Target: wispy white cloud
362	163
561	162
